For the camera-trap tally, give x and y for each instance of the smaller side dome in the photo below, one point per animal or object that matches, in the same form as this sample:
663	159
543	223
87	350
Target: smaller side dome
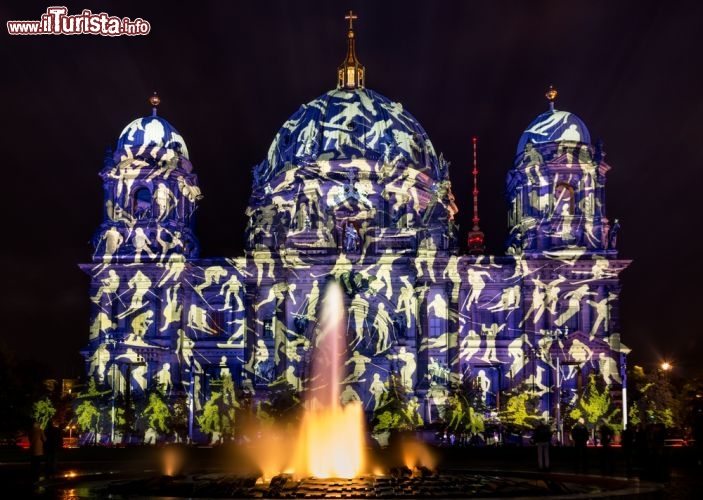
152	131
554	126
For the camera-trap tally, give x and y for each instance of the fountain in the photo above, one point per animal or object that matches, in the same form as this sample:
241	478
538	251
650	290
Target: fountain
331	439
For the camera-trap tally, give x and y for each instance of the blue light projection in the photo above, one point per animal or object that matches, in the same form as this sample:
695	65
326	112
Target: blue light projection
352	190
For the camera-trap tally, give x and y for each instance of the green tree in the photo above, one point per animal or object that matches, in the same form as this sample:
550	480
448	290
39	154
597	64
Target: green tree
519	410
595	404
42	411
396	412
209	421
654	398
157	413
88	418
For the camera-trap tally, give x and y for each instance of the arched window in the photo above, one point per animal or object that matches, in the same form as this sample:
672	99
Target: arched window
563	199
141	203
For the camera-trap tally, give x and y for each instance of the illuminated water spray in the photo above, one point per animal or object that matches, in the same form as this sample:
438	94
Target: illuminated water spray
331	441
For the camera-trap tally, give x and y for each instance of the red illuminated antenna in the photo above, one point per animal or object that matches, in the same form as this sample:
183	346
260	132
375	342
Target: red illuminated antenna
476	239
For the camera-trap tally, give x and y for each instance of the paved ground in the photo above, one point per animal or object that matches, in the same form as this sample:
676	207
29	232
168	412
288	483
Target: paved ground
676	471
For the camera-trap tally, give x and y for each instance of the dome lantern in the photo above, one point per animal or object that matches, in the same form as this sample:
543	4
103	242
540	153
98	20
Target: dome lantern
350	75
154	100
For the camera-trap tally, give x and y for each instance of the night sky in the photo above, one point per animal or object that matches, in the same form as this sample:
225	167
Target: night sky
230	73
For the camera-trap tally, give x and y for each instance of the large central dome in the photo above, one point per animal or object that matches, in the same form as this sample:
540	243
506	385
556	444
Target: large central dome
349	124
352	172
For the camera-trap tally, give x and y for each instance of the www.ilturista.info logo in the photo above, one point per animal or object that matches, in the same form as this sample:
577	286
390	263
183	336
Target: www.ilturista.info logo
56	21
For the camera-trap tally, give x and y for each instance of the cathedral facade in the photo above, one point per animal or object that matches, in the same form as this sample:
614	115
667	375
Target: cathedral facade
352	191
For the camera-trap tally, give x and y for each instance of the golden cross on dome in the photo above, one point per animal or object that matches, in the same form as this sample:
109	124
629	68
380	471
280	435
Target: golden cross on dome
351	17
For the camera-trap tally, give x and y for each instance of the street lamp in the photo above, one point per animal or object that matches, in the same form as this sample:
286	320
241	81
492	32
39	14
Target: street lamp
666	366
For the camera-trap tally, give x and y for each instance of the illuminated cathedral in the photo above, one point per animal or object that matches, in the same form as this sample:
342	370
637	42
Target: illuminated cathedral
353	191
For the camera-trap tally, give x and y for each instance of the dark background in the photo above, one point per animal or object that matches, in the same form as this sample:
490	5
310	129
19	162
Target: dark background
230	73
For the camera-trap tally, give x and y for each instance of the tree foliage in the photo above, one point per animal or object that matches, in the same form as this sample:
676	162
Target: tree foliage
595	404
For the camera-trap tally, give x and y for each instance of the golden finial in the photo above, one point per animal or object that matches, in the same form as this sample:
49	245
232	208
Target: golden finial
155	100
350	75
551	93
551	96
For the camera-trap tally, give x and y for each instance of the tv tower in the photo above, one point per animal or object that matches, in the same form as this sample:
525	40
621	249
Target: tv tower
476	239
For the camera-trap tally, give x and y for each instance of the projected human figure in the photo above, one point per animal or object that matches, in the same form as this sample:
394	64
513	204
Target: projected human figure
452	272
109	285
141	243
408	369
277	293
173	308
443	342
516	350
534	382
141	284
470	345
406	301
551	293
609	369
113	241
358	309
491	333
477	283
359	361
237	337
532	170
198	320
262	259
538	305
232	288
290	378
190	191
258	359
426	252
579	352
165	201
174	267
166	246
101	324
292	353
98	362
163	379
312	298
383	276
140	324
211	275
381	324
575	297
348	395
438	395
509	300
184	349
351	238
483	384
602	313
377	388
125	173
137	365
439	306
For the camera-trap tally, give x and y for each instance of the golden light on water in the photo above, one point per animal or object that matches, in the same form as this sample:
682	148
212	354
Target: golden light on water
331	442
417	454
172	461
